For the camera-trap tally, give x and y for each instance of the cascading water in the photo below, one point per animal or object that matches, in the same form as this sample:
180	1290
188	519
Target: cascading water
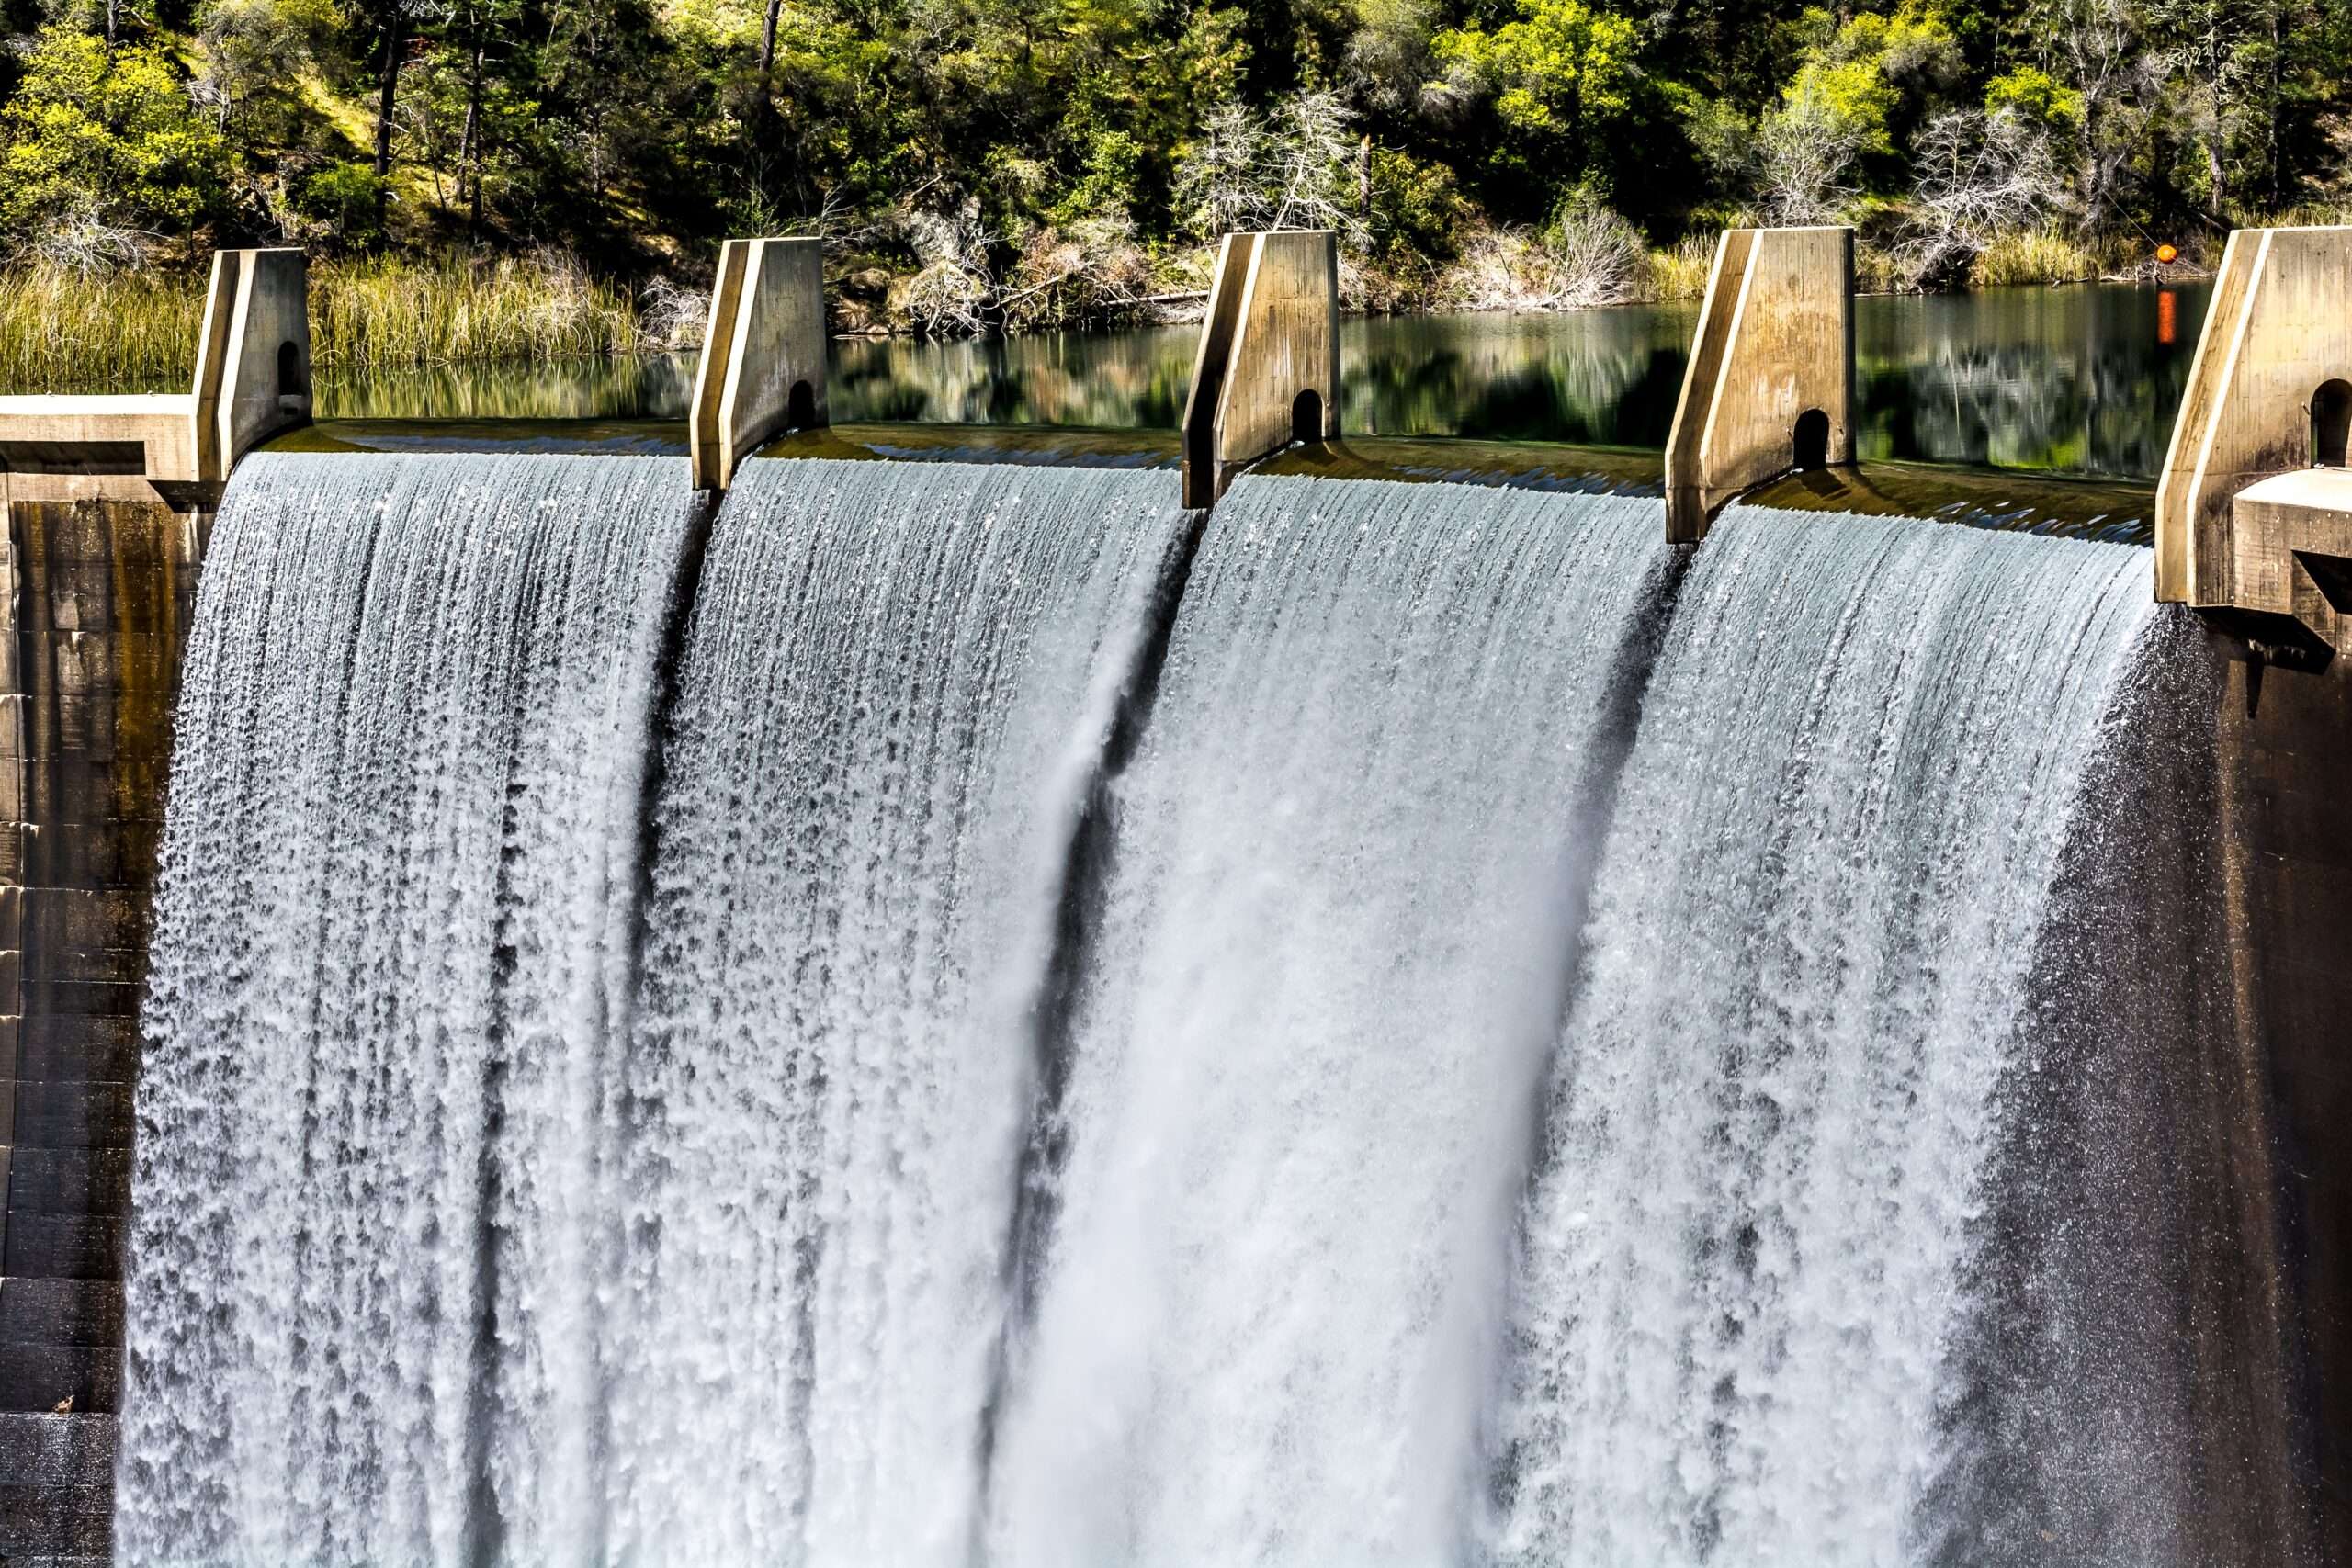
1295	1073
1774	1109
1331	959
897	686
392	947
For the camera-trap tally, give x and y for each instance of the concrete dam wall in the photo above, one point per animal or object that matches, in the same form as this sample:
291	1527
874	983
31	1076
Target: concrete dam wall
956	1008
102	595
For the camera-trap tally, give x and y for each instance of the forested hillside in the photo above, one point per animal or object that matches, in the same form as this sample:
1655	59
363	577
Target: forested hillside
1023	162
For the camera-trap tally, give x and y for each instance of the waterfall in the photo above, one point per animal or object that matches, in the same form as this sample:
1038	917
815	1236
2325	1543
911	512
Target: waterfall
392	946
1336	944
1774	1107
965	1014
897	686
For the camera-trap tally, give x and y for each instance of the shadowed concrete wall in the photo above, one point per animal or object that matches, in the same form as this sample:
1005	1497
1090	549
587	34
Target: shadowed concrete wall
102	594
2286	747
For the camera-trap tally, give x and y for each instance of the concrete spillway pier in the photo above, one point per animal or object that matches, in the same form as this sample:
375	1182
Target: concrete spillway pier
1769	386
2251	510
1267	372
763	366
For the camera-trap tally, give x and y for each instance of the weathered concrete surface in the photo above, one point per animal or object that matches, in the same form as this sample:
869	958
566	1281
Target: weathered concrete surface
1267	371
763	368
54	448
100	596
252	362
98	583
2277	331
1775	339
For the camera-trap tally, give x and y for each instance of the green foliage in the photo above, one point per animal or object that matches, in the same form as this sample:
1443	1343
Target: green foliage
105	134
2038	96
1560	77
1872	73
347	196
256	53
1416	211
1112	178
1113	137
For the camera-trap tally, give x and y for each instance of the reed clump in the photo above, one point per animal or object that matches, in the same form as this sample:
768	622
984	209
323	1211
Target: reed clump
62	327
378	311
2035	255
1681	272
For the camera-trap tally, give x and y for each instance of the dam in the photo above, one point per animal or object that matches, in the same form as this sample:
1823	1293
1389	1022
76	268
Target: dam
766	991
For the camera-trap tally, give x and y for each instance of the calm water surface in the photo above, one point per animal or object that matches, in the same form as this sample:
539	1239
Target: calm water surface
2077	381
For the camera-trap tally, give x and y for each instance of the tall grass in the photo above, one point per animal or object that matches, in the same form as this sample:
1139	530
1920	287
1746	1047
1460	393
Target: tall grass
1681	273
382	312
62	327
2034	256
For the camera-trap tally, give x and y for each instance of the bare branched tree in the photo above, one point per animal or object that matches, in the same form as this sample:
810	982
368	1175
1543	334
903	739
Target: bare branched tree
1292	169
1217	182
1587	256
87	242
2213	60
2096	48
950	295
1312	165
1091	270
1980	175
671	316
1804	151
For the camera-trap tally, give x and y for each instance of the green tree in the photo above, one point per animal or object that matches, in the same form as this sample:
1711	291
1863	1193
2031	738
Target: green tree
2036	95
106	136
1558	78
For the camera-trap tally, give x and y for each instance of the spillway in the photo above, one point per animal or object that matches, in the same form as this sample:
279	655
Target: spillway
1335	947
952	1013
1802	1037
898	688
391	962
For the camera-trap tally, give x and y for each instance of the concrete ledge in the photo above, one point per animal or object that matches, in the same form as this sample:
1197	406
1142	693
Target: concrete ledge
2291	550
763	369
2273	369
252	380
1267	371
1770	385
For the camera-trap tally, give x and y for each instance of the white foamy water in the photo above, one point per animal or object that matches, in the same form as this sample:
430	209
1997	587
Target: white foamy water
899	683
1744	1264
1404	1055
1335	949
391	942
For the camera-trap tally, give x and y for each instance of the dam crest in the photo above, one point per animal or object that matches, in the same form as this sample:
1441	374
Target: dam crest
785	993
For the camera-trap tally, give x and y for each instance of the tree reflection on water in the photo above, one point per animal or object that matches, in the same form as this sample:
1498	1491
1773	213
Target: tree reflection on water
2075	381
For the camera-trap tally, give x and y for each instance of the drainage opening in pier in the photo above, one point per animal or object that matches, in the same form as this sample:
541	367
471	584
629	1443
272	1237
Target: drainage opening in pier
1812	441
291	385
2331	422
801	407
1307	416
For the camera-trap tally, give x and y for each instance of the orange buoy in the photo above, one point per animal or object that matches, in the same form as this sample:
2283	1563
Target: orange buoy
2167	254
